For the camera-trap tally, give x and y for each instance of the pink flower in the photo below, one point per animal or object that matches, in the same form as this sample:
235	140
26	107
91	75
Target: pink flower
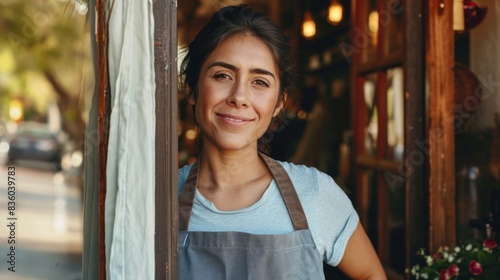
475	268
444	274
454	270
490	243
437	256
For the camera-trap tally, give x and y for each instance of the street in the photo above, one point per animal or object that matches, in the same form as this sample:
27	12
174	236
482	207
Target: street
40	224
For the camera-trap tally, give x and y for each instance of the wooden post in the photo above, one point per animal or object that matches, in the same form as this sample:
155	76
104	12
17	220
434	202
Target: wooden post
103	124
440	134
166	214
415	183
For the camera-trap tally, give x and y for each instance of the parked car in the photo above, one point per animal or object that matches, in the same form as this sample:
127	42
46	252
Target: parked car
34	141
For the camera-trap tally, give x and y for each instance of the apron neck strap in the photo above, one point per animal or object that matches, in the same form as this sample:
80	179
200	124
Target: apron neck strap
288	193
283	182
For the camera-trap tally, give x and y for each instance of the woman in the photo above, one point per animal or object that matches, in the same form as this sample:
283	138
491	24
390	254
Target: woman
242	214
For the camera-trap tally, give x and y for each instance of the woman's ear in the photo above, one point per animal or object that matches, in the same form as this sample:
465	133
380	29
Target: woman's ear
280	104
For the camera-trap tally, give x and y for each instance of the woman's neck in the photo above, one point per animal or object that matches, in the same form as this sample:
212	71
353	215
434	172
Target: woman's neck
232	180
230	169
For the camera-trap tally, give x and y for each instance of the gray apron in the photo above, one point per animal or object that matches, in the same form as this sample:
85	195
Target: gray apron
238	255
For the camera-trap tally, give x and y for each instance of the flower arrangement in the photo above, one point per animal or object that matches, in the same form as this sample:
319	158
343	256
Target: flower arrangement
469	260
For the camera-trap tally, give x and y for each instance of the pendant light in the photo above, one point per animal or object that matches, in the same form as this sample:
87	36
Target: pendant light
308	26
335	12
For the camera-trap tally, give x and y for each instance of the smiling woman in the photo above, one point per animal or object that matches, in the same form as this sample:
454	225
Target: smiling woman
239	209
281	66
237	99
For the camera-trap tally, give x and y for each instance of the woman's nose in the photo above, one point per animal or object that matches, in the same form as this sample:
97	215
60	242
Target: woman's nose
239	95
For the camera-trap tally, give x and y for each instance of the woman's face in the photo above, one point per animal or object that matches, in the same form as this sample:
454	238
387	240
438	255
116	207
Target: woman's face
238	92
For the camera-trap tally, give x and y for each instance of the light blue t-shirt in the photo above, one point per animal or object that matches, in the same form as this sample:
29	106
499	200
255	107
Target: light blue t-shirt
329	212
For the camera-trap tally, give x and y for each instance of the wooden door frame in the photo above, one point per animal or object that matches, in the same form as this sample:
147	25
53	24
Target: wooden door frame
103	117
166	153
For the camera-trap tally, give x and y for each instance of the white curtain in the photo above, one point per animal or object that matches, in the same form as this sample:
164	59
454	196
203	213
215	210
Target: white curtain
129	208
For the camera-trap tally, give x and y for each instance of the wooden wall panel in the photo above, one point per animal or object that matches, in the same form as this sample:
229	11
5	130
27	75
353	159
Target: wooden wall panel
440	134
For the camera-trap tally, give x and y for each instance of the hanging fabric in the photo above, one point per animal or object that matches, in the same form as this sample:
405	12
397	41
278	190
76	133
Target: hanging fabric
129	206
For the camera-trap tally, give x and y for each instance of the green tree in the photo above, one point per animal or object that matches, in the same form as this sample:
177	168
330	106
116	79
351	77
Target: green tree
49	39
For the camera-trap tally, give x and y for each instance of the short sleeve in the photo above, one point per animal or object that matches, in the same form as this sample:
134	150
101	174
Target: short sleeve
339	219
330	214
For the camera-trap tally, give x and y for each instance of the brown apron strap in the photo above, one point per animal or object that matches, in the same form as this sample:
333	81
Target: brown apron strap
288	193
283	182
187	197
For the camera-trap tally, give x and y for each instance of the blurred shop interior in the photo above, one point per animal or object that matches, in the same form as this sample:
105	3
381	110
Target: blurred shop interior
348	119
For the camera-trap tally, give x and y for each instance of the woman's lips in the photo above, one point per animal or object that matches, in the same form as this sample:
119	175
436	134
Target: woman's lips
234	119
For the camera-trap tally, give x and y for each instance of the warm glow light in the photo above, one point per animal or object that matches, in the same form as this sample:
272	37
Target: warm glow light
335	12
16	110
308	26
373	22
15	113
191	134
301	114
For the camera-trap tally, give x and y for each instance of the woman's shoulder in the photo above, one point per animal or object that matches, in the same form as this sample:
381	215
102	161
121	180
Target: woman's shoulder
302	174
313	184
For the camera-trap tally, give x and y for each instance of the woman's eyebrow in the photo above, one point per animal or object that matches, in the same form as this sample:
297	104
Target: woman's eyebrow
234	68
223	64
262	72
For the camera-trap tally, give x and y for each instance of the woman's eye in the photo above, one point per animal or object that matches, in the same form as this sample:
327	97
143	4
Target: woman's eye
261	83
222	76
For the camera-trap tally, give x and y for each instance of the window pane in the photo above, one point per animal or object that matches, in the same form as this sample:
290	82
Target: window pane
371	127
395	114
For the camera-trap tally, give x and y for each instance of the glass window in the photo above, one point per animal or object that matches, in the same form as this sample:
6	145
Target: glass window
371	127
